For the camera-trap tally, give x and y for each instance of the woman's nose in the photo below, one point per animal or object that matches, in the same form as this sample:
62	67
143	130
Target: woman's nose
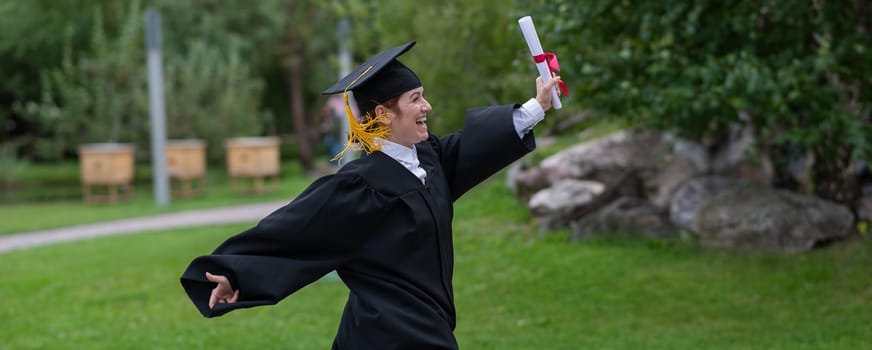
426	107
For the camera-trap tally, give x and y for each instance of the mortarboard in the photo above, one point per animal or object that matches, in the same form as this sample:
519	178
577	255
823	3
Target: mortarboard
377	80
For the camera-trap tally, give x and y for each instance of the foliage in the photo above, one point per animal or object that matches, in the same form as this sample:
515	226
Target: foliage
468	53
227	106
216	51
29	42
228	65
10	168
798	72
99	92
81	102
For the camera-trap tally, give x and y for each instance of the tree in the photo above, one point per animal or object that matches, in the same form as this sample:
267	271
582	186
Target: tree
80	100
233	66
216	53
469	53
304	42
32	36
98	93
796	71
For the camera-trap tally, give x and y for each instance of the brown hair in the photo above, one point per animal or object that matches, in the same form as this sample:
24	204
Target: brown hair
390	104
363	130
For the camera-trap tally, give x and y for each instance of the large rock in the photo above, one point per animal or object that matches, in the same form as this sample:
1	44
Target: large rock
693	152
525	182
757	218
658	163
663	185
683	160
864	204
556	206
692	194
732	156
864	208
626	215
621	150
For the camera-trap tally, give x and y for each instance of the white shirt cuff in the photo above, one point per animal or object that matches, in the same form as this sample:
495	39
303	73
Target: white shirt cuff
527	116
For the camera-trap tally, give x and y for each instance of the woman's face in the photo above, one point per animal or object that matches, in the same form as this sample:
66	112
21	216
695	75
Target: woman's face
408	126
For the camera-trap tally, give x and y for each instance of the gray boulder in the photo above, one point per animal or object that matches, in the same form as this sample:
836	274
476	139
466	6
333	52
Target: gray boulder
757	218
621	150
626	215
864	204
864	208
692	194
556	206
664	184
526	182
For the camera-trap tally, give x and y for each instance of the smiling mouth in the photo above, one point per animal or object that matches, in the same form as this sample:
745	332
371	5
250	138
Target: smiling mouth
421	121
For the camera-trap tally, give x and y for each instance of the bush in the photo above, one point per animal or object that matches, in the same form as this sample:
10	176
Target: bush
797	72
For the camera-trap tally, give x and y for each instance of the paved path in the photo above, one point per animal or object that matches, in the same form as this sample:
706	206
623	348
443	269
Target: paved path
203	217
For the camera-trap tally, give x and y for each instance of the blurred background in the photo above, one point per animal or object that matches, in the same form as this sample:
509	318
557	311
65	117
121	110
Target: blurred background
75	73
796	73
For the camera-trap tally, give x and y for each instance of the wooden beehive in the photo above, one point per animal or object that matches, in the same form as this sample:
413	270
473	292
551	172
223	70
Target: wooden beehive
186	165
109	166
255	158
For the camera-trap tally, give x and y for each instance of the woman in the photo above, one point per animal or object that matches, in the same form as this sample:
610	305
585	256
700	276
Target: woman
383	221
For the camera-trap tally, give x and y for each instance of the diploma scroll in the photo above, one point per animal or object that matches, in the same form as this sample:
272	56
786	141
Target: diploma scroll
532	39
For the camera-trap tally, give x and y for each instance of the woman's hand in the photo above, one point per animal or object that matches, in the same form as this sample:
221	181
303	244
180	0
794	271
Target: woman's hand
543	91
223	293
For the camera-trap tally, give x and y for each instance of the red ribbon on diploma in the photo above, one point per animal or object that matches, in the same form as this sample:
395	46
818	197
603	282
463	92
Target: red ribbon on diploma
554	65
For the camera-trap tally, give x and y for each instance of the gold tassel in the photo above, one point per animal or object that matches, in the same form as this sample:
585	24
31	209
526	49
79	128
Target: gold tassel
362	136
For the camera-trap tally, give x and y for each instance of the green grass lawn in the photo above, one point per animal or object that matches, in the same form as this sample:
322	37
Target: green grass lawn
514	290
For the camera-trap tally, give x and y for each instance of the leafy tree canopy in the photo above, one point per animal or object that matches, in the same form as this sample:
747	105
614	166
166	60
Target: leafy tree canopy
798	72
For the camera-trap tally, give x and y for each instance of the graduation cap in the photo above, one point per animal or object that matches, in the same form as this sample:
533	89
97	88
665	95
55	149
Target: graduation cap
378	79
374	82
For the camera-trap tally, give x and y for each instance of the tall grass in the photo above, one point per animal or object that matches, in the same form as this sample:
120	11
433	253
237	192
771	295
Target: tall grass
514	289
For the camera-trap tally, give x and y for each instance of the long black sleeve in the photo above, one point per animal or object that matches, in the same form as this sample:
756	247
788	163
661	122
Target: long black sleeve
291	247
487	144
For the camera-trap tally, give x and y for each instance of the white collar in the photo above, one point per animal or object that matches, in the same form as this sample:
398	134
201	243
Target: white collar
399	152
407	157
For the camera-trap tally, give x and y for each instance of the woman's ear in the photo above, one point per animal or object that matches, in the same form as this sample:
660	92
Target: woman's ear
384	114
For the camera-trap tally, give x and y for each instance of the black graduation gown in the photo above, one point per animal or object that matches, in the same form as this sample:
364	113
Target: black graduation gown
387	235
